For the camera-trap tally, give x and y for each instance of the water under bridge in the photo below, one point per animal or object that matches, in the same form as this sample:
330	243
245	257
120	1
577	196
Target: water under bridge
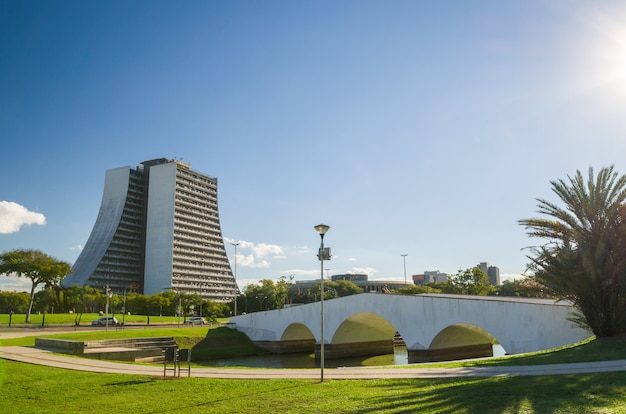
434	327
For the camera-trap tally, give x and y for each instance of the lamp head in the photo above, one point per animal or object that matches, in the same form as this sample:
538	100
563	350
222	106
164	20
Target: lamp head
322	229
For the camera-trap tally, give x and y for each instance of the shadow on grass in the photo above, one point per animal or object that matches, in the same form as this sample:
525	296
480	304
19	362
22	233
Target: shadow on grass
125	383
224	343
588	393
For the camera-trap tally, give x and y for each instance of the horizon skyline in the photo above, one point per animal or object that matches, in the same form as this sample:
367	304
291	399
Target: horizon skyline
262	250
425	129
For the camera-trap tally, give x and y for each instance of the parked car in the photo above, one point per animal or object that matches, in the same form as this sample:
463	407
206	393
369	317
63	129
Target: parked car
105	321
196	320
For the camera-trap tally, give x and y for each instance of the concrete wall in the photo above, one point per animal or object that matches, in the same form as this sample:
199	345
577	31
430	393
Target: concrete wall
424	322
65	345
160	228
111	210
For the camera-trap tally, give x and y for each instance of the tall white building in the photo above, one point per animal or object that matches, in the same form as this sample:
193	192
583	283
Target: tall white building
158	228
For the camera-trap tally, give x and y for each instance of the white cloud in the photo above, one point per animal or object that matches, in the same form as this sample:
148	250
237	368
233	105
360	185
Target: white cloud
262	250
78	247
363	270
301	272
303	249
244	244
15	284
254	255
240	243
250	261
511	276
13	216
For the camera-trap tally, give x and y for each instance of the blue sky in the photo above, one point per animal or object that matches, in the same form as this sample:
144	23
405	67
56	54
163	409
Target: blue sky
410	127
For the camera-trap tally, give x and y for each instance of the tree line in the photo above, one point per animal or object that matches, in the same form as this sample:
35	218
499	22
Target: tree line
267	294
86	299
581	258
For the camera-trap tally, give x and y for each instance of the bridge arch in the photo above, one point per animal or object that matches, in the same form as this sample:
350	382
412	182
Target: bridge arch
461	334
457	341
427	323
361	334
363	326
295	337
297	331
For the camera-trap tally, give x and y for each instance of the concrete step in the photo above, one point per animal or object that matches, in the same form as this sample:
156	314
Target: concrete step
131	349
163	342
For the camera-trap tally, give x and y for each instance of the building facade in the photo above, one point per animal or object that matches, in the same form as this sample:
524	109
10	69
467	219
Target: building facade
430	276
492	271
305	287
158	228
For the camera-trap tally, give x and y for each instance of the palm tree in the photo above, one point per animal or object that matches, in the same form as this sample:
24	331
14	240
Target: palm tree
584	259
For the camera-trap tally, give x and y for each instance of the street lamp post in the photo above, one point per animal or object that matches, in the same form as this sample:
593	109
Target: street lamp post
404	260
261	299
180	309
106	310
201	292
235	276
322	229
124	308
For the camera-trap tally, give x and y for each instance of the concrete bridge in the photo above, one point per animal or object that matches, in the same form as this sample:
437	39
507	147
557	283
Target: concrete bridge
434	327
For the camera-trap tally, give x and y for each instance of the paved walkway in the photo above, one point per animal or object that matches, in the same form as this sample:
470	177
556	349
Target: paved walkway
38	356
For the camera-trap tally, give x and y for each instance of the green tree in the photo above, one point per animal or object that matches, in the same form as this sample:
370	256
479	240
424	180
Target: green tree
584	259
46	301
73	298
417	289
282	288
213	310
471	281
265	295
346	288
525	287
164	303
93	299
36	266
16	302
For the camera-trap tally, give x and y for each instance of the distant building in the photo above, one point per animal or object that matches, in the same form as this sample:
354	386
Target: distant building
361	280
492	271
352	277
158	228
432	276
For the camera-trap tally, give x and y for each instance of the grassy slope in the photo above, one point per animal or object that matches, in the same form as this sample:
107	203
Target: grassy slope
589	350
34	389
220	342
205	342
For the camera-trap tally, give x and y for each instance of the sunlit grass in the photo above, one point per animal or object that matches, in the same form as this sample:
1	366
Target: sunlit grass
28	388
589	350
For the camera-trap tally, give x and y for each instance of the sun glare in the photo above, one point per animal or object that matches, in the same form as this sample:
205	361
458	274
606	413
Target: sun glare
604	48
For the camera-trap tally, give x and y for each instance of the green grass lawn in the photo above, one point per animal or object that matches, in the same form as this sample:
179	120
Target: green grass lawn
28	388
205	342
589	350
35	389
